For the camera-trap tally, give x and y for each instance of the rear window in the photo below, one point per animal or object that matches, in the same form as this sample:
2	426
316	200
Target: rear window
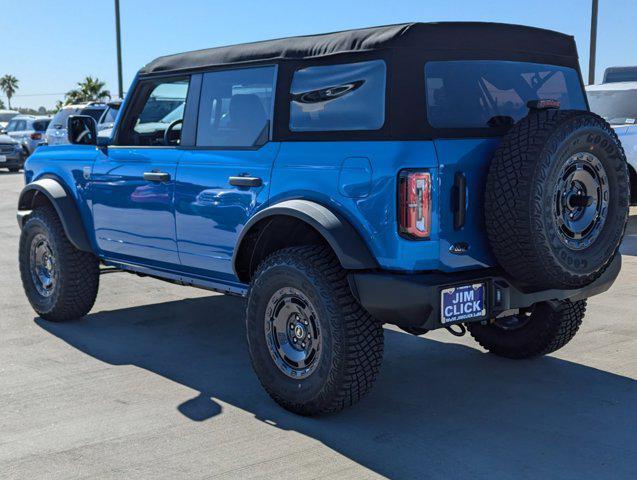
338	97
96	113
60	118
473	93
41	125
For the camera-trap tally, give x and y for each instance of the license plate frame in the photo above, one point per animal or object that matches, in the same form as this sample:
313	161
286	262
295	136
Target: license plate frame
463	303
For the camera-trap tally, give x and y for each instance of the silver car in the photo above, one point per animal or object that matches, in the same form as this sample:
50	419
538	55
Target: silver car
28	131
57	133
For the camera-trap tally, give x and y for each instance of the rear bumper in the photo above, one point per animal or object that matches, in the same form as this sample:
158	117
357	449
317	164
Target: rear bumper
414	300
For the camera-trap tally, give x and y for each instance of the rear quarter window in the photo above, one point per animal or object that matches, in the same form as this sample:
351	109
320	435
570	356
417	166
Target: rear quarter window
338	97
470	94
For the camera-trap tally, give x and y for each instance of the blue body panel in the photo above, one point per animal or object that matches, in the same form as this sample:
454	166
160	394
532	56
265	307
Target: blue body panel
133	218
187	228
210	212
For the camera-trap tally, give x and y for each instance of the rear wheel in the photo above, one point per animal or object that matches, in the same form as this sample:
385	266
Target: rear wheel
547	327
60	281
313	347
14	169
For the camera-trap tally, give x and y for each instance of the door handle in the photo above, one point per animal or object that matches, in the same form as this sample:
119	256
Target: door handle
157	176
245	181
459	200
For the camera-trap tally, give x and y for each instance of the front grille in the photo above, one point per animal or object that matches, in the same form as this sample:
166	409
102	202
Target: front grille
7	149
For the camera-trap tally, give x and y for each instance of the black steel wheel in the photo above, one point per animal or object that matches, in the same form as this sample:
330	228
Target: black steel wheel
314	349
60	281
292	332
580	206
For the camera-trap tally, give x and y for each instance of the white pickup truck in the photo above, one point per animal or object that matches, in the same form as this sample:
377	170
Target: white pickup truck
617	103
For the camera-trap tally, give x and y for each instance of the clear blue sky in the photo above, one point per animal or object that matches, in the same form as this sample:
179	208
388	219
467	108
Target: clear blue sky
50	45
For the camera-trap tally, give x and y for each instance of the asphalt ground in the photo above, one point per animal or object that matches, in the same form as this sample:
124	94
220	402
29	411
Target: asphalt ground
156	383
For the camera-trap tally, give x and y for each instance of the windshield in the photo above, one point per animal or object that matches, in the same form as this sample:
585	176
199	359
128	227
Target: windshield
176	114
490	93
618	107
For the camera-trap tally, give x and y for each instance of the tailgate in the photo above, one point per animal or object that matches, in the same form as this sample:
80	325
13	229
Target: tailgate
463	167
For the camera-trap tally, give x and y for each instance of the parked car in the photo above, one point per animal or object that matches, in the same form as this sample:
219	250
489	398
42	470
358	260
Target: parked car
617	103
409	174
620	74
5	116
28	130
107	120
57	133
11	156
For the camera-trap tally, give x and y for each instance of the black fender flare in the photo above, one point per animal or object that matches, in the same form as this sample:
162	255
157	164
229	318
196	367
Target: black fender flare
64	205
347	244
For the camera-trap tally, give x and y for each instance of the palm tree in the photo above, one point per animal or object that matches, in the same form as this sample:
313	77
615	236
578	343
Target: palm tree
9	85
89	90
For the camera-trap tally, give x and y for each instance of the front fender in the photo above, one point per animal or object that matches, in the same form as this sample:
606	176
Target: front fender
347	244
64	205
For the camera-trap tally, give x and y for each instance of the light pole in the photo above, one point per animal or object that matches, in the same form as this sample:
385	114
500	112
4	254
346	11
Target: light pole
118	34
591	58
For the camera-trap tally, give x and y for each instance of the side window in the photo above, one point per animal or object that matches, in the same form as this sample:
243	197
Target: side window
235	109
156	118
11	127
338	97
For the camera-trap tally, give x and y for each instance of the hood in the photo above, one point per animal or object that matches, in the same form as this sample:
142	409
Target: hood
4	139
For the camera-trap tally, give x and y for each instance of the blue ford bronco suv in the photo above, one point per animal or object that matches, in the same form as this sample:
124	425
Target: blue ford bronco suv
443	175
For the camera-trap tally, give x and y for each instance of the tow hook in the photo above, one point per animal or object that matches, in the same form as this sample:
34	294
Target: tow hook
457	333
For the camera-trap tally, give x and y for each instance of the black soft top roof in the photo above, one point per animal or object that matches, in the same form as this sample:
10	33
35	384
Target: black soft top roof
474	39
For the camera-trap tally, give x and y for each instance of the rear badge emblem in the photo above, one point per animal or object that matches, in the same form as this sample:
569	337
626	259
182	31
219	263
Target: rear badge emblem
459	248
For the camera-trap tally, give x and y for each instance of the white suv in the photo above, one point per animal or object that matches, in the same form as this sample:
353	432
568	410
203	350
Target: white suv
617	103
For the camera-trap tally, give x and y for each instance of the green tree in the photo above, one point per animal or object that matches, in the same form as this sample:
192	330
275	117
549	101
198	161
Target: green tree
9	85
1	104
89	90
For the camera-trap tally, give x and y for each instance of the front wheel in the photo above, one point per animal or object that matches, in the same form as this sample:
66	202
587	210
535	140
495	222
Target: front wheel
313	347
547	327
60	281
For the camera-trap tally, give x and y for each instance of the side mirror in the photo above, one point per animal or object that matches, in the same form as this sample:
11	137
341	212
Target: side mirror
82	130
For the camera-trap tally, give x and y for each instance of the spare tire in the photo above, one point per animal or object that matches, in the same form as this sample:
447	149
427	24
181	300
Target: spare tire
556	200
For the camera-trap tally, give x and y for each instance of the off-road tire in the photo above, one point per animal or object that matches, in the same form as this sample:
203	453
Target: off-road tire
77	282
519	199
551	326
352	340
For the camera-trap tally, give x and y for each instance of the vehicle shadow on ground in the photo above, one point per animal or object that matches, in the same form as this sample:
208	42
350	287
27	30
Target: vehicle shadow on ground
438	410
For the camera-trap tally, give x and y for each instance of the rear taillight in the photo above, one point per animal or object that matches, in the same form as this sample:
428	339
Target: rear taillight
36	136
414	209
